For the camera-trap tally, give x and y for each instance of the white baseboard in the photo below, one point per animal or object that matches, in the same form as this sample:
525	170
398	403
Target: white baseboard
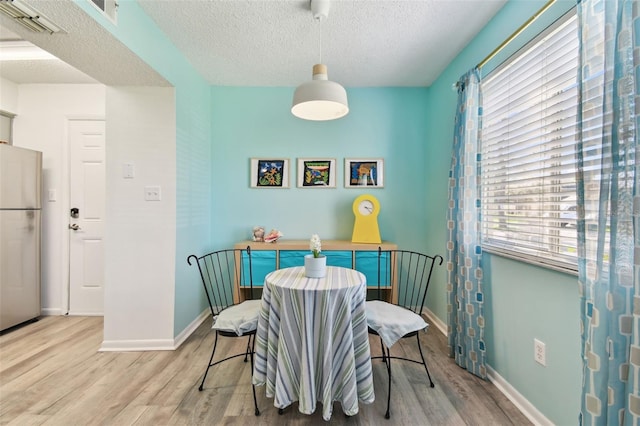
435	321
180	338
531	412
85	314
51	312
154	345
136	345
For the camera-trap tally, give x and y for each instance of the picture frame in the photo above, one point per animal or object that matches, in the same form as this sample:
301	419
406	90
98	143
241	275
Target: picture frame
364	173
316	173
269	172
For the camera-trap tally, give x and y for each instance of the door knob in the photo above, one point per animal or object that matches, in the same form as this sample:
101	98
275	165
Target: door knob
74	226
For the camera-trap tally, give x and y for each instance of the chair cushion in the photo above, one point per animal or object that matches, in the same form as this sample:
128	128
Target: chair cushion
238	319
391	322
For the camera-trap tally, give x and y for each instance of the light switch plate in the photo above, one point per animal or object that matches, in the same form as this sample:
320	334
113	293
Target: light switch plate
128	171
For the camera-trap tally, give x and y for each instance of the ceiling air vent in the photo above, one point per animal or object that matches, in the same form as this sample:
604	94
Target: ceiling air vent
27	17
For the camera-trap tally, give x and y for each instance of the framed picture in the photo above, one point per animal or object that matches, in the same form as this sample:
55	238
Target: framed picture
316	172
269	172
363	172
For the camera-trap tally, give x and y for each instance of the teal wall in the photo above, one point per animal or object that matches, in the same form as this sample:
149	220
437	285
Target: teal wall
523	302
193	146
388	123
221	128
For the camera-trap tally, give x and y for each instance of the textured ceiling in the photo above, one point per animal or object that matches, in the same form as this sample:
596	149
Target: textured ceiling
84	44
364	43
49	71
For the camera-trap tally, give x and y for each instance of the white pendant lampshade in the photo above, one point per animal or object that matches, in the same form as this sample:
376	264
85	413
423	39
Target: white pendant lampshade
320	99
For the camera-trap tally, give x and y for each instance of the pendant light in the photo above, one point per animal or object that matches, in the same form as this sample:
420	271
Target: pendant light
320	99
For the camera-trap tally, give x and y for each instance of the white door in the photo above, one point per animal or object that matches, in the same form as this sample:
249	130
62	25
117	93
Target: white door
86	216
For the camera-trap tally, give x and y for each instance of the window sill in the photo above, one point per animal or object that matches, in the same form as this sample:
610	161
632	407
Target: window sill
543	263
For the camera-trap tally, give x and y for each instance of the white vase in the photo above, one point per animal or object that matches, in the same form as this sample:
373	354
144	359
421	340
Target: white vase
315	267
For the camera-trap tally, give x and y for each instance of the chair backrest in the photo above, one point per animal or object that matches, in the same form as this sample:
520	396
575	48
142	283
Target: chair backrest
409	272
223	274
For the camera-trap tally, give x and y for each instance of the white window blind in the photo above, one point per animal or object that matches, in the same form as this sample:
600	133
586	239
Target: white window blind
528	150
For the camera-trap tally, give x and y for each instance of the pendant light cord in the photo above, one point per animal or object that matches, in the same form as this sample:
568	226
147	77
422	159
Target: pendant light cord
319	19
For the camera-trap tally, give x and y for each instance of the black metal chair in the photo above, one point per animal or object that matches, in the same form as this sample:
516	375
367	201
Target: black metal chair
410	272
225	274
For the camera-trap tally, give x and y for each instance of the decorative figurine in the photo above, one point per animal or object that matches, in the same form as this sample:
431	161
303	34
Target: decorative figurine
258	234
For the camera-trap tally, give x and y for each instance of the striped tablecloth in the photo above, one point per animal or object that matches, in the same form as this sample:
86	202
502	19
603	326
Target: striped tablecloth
312	342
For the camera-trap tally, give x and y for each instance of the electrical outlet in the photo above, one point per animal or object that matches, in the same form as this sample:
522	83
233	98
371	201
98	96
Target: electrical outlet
152	193
539	352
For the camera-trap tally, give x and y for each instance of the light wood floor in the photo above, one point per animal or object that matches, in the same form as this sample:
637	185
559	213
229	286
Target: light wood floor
51	373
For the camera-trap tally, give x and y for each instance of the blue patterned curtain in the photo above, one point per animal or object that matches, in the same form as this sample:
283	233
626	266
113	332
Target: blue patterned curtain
464	253
608	208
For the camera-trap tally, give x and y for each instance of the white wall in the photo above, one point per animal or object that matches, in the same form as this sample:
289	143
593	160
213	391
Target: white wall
140	238
140	235
8	96
41	124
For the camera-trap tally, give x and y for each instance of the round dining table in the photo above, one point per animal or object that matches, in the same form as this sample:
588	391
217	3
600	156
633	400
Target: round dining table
312	340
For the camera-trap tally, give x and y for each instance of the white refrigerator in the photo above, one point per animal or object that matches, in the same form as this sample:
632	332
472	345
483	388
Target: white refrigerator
20	235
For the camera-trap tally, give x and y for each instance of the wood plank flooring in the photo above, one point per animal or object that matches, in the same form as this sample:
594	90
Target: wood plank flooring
51	373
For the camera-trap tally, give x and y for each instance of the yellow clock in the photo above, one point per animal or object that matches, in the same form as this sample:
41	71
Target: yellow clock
365	230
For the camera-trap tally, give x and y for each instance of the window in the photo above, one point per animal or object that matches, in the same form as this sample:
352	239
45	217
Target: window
108	8
528	150
6	127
